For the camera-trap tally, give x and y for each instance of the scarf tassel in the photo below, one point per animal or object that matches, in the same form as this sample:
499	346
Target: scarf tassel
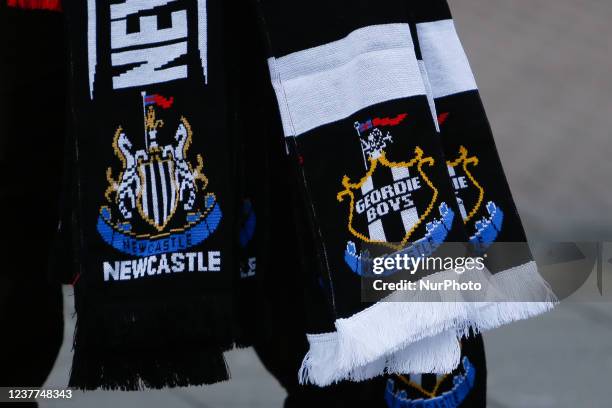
322	363
384	338
137	346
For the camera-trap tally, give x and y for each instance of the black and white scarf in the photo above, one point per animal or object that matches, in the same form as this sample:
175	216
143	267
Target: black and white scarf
155	164
359	101
391	152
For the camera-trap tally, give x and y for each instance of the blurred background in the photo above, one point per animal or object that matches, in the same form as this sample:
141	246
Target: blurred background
543	68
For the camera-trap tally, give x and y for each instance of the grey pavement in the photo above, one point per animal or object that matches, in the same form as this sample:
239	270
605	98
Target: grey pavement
250	387
543	68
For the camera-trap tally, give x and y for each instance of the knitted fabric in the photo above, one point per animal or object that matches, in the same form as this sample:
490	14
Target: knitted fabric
155	211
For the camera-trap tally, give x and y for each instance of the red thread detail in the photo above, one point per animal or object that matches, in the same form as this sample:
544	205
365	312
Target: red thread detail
54	5
389	121
76	279
301	160
164	102
442	117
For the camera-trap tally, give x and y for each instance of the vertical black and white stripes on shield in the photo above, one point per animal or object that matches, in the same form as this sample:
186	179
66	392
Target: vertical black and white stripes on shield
364	75
156	204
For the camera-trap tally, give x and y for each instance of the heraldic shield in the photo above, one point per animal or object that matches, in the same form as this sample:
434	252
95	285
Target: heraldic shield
389	204
158	203
470	194
158	199
470	199
382	205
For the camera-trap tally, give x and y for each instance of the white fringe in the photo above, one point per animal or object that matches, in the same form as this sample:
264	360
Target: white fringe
515	294
436	355
401	319
319	365
405	334
439	354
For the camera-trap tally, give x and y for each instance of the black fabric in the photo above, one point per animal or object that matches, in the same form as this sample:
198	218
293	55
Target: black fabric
169	328
250	79
31	144
290	315
465	387
467	118
431	11
285	22
290	259
156	206
470	149
297	299
289	318
332	153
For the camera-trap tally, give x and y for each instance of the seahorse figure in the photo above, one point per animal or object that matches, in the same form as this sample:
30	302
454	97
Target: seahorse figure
128	186
185	175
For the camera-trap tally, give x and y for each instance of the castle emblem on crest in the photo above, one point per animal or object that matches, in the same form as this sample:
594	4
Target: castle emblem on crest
158	202
392	200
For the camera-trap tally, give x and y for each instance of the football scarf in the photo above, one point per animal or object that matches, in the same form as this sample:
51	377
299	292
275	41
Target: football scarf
516	290
358	115
289	316
284	343
357	121
154	159
252	118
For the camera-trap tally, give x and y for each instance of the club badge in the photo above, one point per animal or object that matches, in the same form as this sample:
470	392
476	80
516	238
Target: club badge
158	202
470	198
392	200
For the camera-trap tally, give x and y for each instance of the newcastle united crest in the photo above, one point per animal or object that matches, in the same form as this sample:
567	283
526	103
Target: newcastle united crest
158	202
470	198
392	200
